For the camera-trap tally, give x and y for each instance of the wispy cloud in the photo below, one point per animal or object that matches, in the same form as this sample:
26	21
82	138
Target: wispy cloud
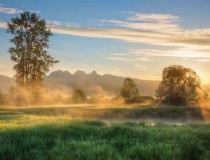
178	52
144	59
152	17
127	57
150	29
153	29
119	59
203	60
158	27
3	24
186	37
161	23
10	10
64	24
147	55
6	10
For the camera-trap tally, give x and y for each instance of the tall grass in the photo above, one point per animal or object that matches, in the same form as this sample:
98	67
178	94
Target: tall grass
88	140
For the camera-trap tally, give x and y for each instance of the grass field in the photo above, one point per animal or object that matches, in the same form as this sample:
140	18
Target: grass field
104	132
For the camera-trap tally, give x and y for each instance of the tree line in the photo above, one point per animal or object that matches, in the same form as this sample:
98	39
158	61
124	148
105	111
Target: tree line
179	86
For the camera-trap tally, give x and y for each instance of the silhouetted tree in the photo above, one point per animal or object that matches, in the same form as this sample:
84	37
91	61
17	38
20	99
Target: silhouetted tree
129	90
79	96
179	86
30	39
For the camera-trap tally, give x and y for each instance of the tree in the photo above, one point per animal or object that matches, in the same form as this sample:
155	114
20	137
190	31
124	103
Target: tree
129	90
179	86
30	39
79	96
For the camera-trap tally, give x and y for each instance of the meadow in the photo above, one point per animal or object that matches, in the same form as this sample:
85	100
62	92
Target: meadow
103	132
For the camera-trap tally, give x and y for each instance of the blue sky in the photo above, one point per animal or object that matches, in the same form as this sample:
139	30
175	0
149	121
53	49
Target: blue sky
135	38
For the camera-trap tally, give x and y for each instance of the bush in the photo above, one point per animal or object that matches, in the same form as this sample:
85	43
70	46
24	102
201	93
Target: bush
79	96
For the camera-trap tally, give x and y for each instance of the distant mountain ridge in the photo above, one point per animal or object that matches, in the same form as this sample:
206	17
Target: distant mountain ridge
93	83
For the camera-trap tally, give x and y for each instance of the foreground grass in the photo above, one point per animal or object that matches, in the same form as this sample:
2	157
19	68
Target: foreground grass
88	140
55	133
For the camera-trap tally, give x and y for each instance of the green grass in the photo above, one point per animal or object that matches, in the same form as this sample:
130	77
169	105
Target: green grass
97	140
50	133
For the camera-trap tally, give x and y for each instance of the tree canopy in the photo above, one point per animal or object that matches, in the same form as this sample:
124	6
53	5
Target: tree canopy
30	39
179	86
129	90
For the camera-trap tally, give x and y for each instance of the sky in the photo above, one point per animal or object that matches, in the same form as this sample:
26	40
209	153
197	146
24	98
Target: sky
131	38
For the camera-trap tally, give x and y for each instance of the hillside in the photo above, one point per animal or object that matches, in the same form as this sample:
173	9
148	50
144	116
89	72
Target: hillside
5	83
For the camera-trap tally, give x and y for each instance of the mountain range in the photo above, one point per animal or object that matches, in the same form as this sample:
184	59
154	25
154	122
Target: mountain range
93	84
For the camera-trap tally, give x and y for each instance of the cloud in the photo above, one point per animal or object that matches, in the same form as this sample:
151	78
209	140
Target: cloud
3	24
147	55
203	60
157	27
185	38
114	33
150	29
14	10
118	58
150	22
127	57
153	29
180	53
10	10
64	24
153	17
144	59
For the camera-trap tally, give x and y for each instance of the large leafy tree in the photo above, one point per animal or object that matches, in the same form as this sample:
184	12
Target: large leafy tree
129	90
30	39
179	86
